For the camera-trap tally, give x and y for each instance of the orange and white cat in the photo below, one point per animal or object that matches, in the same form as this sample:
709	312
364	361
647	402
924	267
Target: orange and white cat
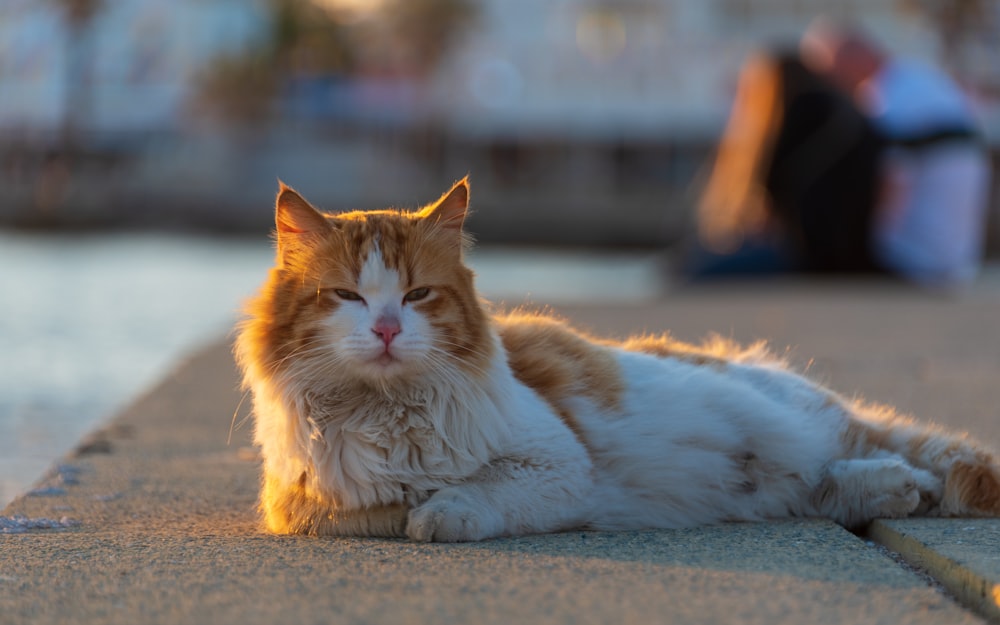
389	402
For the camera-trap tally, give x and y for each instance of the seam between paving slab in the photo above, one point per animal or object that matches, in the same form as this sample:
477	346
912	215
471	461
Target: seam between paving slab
972	590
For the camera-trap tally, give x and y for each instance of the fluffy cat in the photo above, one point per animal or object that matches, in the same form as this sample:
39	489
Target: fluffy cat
388	401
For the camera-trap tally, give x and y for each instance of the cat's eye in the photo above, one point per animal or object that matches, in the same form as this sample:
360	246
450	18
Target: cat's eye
348	296
417	294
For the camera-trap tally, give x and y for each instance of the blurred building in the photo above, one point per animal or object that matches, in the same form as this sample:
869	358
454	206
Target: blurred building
91	88
132	71
585	120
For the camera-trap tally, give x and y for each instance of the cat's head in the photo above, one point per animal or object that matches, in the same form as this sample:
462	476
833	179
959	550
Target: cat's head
372	295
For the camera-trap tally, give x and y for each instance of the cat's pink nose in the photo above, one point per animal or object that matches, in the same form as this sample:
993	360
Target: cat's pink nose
387	328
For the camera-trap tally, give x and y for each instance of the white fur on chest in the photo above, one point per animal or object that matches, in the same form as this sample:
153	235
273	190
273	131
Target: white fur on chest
362	447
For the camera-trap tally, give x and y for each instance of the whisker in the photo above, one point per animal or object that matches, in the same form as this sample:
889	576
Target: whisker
445	365
232	424
308	348
472	350
453	359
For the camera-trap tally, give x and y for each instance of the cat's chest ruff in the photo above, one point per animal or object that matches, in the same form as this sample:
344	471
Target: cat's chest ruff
381	420
367	445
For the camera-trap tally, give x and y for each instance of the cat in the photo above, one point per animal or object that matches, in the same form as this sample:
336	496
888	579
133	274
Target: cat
389	401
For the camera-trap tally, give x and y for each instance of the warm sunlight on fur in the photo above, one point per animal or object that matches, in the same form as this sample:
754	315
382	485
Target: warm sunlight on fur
390	401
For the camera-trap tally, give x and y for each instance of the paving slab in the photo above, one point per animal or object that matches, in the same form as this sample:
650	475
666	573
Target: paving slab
152	519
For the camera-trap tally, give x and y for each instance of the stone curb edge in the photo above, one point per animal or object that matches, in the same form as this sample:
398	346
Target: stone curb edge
971	589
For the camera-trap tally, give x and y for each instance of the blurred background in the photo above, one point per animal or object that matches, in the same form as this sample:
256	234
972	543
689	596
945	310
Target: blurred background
182	114
141	142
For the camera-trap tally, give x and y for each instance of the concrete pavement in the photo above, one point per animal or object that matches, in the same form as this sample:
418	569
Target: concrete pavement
153	517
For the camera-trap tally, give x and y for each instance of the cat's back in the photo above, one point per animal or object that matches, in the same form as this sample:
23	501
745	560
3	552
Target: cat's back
575	372
555	359
566	366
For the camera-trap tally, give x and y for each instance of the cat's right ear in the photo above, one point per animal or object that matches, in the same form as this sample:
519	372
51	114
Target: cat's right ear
297	224
451	209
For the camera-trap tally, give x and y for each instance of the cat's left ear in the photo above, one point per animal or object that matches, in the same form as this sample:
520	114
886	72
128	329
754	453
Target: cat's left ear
451	209
296	223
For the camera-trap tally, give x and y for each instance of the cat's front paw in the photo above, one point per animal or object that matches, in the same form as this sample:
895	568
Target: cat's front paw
897	491
452	516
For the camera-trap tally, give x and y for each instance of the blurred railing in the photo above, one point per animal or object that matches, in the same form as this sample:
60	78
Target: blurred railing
526	189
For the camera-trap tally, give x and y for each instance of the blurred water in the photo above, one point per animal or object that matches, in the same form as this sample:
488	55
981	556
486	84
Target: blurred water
89	322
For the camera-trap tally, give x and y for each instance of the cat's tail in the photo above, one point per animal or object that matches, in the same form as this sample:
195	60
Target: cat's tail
968	473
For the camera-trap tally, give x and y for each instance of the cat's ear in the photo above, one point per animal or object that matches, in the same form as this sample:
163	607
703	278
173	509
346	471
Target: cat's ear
451	209
296	222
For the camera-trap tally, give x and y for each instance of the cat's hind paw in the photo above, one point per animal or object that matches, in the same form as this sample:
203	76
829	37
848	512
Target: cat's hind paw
451	516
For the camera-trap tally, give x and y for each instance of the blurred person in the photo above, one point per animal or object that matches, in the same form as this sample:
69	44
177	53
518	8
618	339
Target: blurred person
936	173
839	159
794	183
